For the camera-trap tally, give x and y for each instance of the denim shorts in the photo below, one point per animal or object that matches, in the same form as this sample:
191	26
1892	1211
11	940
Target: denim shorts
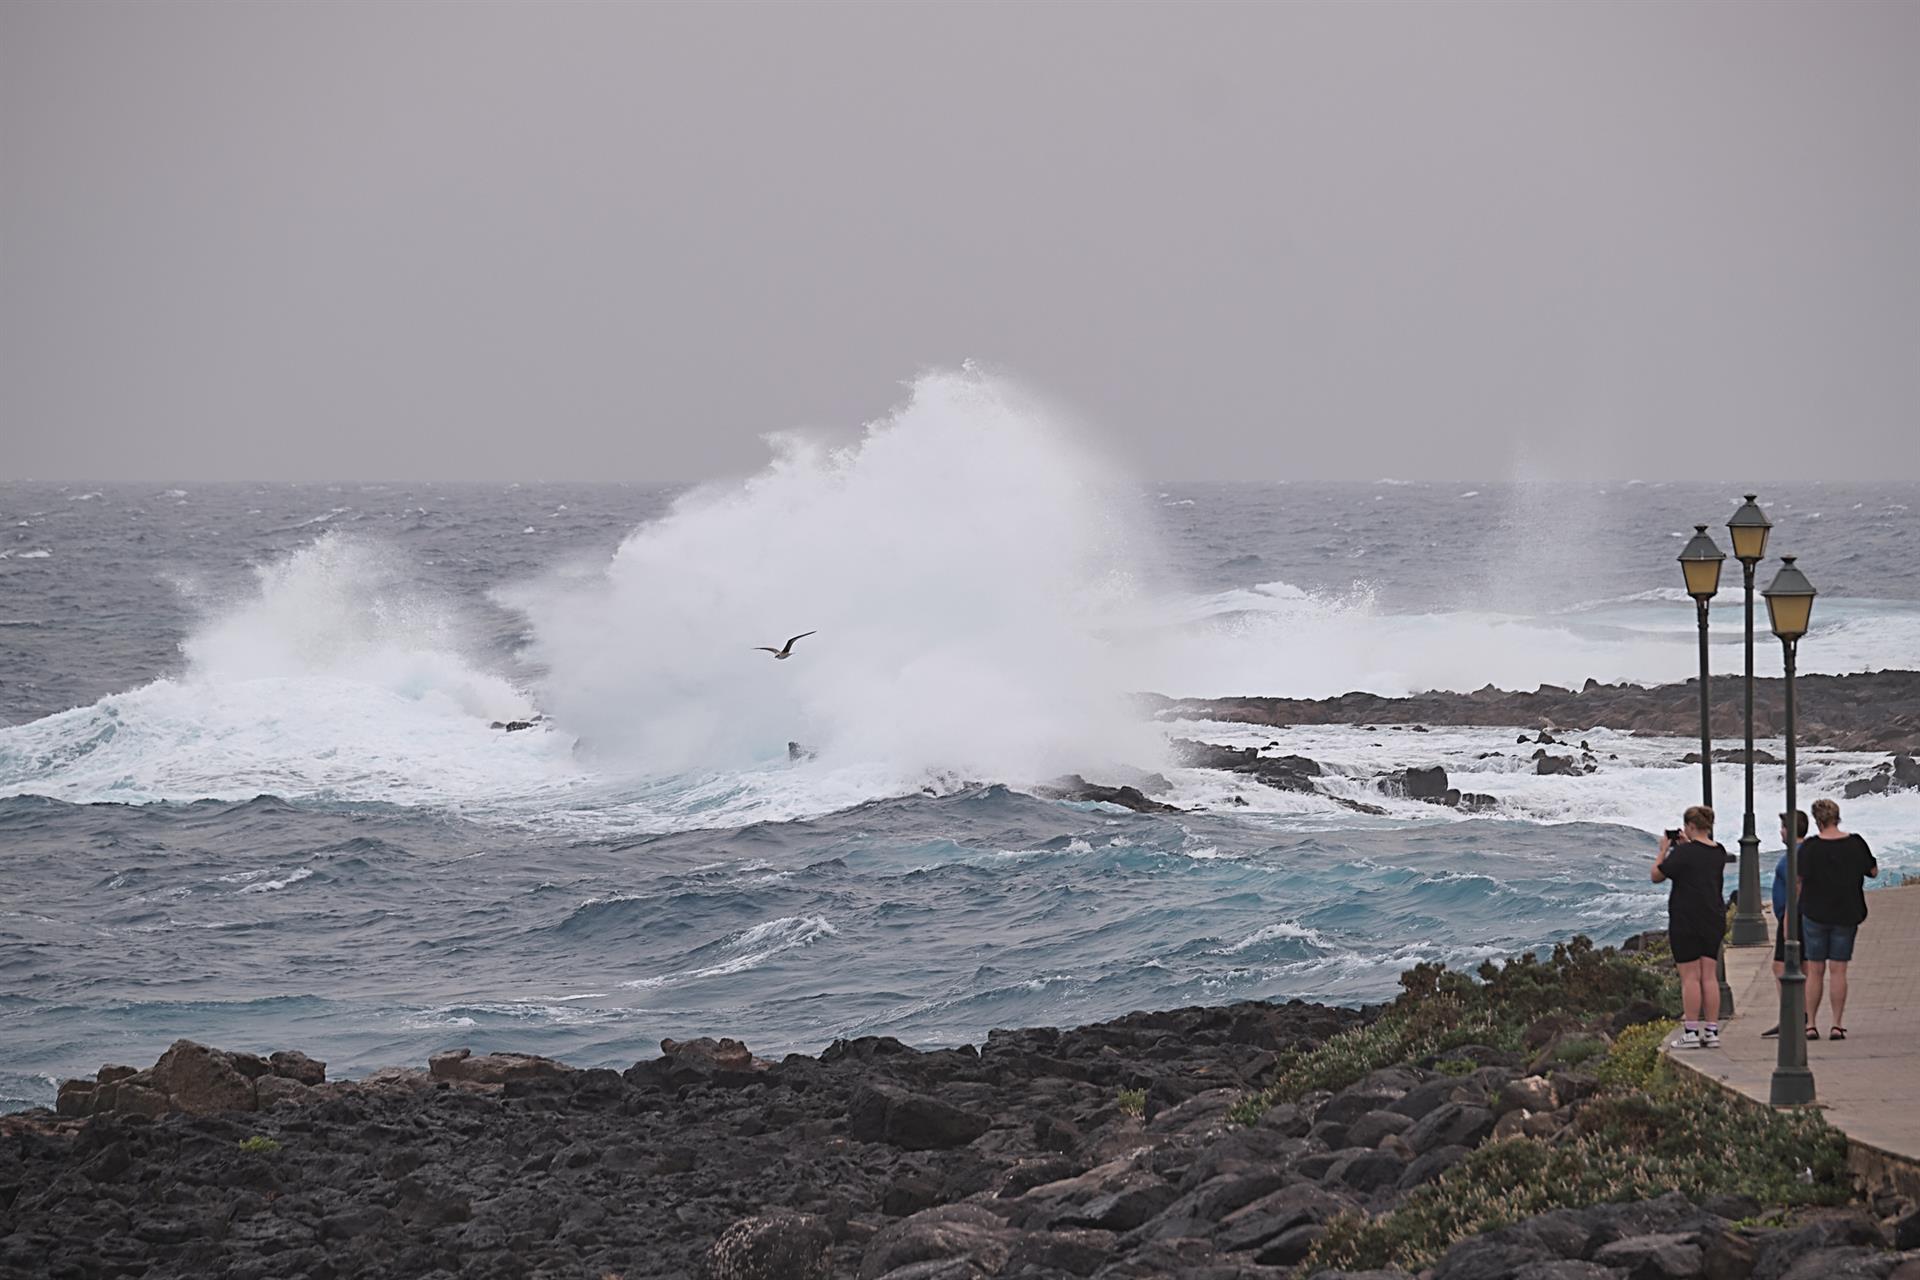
1829	941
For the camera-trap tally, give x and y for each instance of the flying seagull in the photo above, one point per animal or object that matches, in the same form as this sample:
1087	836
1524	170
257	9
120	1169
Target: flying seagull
781	655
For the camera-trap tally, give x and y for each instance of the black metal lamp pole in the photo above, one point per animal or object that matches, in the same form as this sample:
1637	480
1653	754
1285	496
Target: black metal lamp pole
1701	562
1748	529
1706	731
1790	605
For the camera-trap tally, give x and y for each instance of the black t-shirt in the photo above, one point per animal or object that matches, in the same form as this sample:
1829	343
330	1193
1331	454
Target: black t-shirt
1697	906
1834	875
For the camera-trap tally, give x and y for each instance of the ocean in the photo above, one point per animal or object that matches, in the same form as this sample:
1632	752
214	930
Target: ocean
251	791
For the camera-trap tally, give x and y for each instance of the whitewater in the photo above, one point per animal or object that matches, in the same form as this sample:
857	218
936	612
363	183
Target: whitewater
252	788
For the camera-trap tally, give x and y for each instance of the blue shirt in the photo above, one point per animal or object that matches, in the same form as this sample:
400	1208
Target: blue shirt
1780	882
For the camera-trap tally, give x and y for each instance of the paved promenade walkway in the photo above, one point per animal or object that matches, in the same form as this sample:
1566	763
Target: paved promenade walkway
1868	1085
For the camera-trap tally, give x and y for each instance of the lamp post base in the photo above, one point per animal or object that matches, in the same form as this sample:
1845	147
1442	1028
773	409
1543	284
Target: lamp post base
1726	992
1749	926
1792	1087
1792	1078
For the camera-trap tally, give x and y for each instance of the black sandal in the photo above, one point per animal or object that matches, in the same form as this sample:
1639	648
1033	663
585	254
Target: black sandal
1813	1032
1838	1033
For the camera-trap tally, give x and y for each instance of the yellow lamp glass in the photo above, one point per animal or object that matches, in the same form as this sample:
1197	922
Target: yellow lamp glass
1749	541
1790	601
1749	529
1700	562
1703	576
1790	615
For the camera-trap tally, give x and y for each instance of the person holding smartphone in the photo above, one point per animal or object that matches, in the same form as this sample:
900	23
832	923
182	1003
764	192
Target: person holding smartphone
1694	864
1834	867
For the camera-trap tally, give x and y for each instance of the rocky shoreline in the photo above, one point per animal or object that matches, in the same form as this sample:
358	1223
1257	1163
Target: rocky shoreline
1245	1142
1874	711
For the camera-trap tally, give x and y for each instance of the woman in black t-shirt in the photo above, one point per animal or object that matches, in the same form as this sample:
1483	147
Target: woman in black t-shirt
1834	868
1696	867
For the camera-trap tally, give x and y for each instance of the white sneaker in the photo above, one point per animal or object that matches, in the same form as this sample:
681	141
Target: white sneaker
1689	1039
1709	1038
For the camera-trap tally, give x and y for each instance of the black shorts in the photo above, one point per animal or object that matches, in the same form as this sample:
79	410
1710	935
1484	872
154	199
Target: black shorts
1687	949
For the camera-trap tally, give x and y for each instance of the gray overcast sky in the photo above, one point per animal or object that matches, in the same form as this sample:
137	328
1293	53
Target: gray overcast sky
423	240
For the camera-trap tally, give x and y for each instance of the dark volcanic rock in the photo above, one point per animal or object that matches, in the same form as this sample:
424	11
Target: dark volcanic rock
1674	1256
955	1231
911	1121
1270	1216
1733	755
1546	764
1286	773
1075	787
1453	1124
1873	711
1418	784
493	1068
874	1159
772	1246
297	1066
202	1080
76	1098
1902	773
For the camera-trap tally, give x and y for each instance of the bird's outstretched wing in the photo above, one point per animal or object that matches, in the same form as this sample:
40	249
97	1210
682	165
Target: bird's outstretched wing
802	636
761	648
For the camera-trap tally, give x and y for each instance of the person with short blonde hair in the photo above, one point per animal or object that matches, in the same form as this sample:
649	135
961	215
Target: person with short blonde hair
1835	866
1695	864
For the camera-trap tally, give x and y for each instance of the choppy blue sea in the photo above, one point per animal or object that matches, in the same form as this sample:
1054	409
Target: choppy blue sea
250	791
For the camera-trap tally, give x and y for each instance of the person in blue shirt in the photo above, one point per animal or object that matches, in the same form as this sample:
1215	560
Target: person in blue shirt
1780	905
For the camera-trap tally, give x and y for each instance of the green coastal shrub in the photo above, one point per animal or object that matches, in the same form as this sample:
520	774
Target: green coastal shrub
1630	1143
1635	1060
259	1144
1649	1130
1579	1050
1439	1009
1133	1102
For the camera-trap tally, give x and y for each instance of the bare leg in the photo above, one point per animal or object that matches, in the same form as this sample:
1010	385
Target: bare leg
1839	992
1816	983
1710	990
1689	991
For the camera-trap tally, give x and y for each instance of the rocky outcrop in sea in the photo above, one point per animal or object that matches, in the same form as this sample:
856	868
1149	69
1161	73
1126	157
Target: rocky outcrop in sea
1874	711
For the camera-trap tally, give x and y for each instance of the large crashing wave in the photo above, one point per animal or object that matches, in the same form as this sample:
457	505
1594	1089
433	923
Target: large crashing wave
962	562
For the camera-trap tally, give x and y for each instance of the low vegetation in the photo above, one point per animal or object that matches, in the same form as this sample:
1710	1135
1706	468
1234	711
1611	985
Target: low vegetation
1649	1131
1646	1130
1440	1011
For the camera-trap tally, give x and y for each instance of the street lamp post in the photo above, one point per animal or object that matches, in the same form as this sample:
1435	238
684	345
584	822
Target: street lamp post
1700	562
1789	607
1748	529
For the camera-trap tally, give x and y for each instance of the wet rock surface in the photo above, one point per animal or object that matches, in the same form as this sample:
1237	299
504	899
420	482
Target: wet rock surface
1075	787
705	1161
1104	1151
1902	773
